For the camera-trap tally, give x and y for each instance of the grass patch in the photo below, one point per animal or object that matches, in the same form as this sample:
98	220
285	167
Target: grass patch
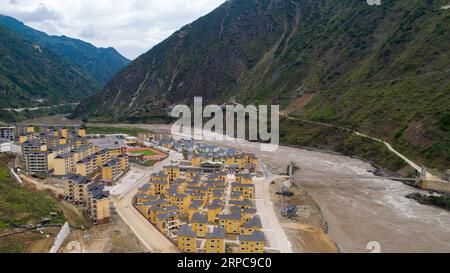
20	206
150	163
145	152
112	130
297	133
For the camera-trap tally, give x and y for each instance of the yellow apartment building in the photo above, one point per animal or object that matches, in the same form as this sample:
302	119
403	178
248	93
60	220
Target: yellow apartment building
248	190
187	241
244	178
214	209
64	164
199	223
81	132
111	171
87	166
76	189
173	172
99	204
215	241
194	207
252	226
231	223
158	187
253	243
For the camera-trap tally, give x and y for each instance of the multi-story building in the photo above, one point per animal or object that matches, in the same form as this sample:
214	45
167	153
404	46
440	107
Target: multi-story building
87	166
33	146
111	171
187	241
215	241
38	162
253	243
64	164
172	172
231	223
214	209
8	133
200	224
252	226
76	189
99	204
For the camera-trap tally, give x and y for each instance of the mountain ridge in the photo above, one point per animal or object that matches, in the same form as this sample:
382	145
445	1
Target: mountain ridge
382	70
100	63
33	76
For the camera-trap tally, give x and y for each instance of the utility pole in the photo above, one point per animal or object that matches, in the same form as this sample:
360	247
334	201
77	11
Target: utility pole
291	173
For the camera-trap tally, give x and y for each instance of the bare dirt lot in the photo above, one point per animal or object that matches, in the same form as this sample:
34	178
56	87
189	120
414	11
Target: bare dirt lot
307	229
111	238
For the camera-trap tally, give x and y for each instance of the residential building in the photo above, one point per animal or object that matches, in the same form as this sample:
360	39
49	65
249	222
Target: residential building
215	241
64	164
200	224
187	242
253	243
38	162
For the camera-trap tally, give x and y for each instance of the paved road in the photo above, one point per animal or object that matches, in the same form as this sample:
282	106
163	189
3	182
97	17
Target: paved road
271	225
149	235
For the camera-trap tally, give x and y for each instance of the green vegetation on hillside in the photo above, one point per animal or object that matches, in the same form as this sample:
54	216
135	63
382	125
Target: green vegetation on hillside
381	70
114	130
297	133
100	63
31	75
19	205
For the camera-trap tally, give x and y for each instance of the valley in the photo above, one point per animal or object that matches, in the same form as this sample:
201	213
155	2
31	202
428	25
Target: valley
357	211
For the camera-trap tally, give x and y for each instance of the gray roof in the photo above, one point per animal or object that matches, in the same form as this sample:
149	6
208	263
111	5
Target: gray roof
199	218
257	236
218	233
78	179
216	204
195	204
255	222
186	231
233	216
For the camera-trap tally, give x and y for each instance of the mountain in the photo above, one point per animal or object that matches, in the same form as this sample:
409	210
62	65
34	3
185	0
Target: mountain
31	75
382	70
100	63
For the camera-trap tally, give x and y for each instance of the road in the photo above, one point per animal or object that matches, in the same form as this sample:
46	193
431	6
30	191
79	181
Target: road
149	235
271	225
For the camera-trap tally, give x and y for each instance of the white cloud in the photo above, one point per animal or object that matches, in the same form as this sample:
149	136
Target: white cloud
130	26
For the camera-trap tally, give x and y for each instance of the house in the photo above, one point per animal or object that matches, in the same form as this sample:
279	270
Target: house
187	239
231	223
200	224
214	209
215	241
64	164
76	189
194	207
252	226
173	172
100	203
253	243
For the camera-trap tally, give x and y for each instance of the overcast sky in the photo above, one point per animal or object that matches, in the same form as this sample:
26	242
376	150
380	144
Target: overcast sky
130	26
